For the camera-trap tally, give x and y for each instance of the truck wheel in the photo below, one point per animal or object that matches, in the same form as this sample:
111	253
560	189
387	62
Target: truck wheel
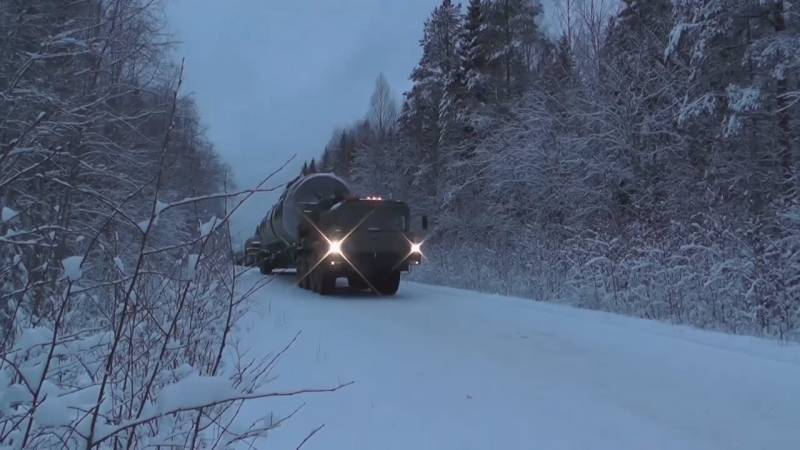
309	274
313	280
308	277
387	284
265	268
327	283
300	268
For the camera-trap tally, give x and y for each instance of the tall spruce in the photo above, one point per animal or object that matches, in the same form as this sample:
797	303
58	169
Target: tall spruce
744	56
512	28
423	113
474	49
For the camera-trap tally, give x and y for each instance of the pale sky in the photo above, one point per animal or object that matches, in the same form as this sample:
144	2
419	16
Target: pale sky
274	78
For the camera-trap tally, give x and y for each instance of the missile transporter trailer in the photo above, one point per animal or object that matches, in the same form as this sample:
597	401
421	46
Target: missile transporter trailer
323	231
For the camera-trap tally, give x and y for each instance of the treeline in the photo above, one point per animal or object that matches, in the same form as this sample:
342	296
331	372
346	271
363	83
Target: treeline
643	162
115	272
86	104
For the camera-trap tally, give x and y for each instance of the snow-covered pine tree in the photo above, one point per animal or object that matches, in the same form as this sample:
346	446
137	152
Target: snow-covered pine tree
739	117
474	51
745	58
325	159
422	116
560	71
342	151
634	105
512	30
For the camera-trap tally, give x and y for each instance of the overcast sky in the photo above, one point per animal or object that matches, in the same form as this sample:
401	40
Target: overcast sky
273	78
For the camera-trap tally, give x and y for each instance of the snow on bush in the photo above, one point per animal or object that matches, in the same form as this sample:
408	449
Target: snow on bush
146	358
703	275
7	214
72	267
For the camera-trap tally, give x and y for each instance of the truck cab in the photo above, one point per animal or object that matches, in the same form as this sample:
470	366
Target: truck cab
368	241
319	227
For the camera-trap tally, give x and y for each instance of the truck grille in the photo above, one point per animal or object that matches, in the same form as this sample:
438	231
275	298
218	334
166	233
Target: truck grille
374	261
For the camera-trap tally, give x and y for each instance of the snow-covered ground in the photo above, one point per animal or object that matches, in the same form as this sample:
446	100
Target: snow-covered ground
440	368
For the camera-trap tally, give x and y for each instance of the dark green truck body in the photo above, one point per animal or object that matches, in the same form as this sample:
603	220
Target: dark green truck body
324	232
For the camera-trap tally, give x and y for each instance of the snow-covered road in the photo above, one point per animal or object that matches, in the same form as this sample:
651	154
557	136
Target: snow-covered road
440	368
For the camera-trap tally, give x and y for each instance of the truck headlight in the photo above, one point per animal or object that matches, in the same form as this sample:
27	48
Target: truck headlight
335	248
416	248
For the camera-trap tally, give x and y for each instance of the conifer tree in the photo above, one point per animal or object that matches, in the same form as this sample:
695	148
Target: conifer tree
423	114
511	26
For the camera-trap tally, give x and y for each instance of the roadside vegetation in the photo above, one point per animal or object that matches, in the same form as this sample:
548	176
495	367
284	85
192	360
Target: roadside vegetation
637	157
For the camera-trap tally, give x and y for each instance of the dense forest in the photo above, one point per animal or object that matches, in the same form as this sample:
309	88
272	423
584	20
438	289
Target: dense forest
643	161
116	280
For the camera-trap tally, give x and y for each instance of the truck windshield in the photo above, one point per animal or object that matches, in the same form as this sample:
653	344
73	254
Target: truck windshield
372	219
385	220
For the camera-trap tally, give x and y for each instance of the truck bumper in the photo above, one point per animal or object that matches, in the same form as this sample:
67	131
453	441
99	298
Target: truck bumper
369	263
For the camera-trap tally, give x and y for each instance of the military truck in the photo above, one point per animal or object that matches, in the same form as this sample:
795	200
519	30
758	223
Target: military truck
252	249
324	231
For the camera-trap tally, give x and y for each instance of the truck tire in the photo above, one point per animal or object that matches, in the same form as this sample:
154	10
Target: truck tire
310	273
387	284
307	276
300	267
314	280
327	283
264	267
